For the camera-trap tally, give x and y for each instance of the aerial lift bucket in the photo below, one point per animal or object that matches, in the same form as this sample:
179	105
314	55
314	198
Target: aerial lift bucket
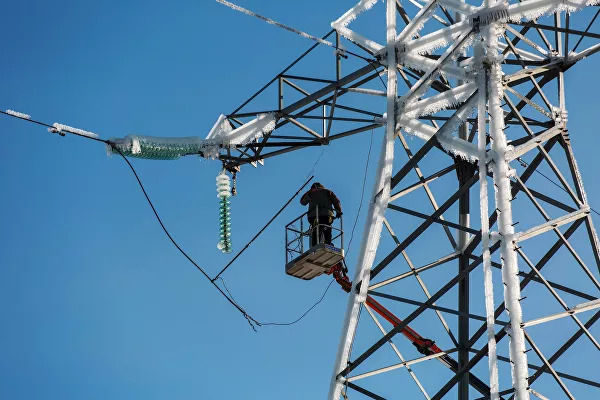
306	260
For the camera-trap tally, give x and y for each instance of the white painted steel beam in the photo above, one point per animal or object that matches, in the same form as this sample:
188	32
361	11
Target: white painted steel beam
590	305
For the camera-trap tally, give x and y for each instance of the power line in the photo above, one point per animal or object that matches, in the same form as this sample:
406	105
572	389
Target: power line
525	164
262	229
362	195
304	314
294	30
251	320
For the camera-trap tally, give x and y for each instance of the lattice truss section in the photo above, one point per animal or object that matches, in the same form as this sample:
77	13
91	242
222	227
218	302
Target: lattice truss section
474	112
489	91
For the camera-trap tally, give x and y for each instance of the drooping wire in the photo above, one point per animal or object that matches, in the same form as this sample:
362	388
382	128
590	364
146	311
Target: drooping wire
262	229
303	314
362	195
526	164
314	167
251	320
294	30
248	317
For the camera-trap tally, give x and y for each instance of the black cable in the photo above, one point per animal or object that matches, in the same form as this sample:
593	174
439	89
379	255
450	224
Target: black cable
262	230
378	74
251	321
525	164
249	318
362	196
303	315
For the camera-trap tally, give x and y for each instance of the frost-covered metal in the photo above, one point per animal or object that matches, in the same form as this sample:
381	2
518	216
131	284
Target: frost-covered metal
480	90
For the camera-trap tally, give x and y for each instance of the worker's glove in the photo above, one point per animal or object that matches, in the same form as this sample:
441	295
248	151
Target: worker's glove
338	214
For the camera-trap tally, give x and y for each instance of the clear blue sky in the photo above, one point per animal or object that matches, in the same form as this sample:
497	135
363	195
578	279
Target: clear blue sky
96	302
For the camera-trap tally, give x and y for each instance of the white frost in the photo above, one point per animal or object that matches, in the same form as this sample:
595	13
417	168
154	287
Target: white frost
351	14
485	226
18	114
61	129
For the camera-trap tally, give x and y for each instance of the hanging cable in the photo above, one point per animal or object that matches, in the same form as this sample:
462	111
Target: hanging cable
78	132
362	195
303	315
525	164
294	30
262	230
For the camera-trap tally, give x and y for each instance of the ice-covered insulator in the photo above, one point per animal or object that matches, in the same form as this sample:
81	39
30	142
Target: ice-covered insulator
224	192
223	185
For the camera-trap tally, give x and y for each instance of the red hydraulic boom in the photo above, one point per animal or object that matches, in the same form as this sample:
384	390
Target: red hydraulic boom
424	346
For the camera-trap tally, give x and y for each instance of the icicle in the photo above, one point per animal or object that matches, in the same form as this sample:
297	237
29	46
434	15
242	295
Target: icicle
440	38
351	14
458	6
376	212
441	101
502	188
220	128
62	129
171	148
417	23
532	9
223	193
18	114
485	228
421	63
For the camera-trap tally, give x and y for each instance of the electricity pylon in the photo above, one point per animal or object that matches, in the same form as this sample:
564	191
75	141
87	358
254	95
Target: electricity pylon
481	86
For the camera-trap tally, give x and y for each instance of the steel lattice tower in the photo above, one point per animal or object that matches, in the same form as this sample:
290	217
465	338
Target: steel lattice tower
479	234
479	85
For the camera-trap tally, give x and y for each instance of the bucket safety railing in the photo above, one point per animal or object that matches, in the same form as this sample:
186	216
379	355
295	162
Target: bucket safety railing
299	233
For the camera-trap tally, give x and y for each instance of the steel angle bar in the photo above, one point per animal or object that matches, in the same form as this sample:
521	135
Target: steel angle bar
306	78
557	29
398	328
520	53
547	157
261	157
423	182
529	277
566	242
428	191
433	307
402	246
548	366
446	57
364	391
537	394
562	288
296	61
331	111
400	365
586	30
420	281
327	118
441	261
304	127
551	201
559	299
576	176
534	45
591	305
561	374
565	347
525	175
550	225
393	346
533	104
435	219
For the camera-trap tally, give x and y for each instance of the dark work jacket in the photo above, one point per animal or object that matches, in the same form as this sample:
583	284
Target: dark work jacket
322	198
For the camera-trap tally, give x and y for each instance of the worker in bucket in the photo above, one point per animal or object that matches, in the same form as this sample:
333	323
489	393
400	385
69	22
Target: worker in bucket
321	203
